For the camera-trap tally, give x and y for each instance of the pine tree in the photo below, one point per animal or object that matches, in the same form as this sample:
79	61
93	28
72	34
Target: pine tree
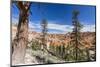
76	52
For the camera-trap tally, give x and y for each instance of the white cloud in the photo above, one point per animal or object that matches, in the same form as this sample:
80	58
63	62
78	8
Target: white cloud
62	28
88	28
34	24
57	28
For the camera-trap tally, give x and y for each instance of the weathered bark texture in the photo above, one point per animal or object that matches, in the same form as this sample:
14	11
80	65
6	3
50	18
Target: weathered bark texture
21	40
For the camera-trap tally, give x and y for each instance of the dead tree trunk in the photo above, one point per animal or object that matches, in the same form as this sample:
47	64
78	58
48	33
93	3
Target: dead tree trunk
21	40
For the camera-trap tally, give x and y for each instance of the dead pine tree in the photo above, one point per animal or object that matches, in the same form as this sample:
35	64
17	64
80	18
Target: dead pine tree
21	40
44	33
44	39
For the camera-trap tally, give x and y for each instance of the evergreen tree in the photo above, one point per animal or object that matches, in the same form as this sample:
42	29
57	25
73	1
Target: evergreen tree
76	48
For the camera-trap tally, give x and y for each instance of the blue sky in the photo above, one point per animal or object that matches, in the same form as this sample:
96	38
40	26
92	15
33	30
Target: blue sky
58	16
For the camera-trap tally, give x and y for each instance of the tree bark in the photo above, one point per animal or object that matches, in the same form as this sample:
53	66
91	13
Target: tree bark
21	41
